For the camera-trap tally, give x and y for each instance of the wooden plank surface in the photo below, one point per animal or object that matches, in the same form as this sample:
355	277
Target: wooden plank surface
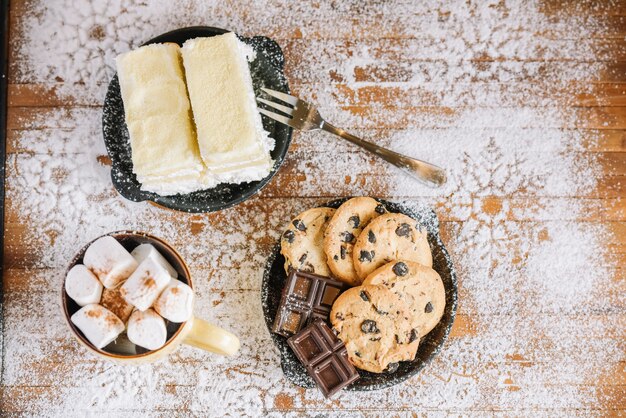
519	81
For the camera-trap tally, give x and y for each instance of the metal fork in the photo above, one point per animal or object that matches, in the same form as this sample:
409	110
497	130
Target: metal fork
304	116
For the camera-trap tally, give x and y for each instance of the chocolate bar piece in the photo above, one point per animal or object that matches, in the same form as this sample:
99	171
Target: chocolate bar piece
324	356
305	297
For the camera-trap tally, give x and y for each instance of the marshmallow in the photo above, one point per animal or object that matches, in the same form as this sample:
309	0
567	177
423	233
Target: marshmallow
144	286
99	325
147	329
109	261
112	300
175	302
83	286
143	251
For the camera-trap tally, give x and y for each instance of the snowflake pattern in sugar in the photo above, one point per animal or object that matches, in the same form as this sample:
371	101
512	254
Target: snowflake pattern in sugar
487	173
480	88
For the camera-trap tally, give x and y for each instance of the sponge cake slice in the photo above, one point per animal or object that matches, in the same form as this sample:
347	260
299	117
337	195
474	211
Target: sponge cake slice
232	142
157	113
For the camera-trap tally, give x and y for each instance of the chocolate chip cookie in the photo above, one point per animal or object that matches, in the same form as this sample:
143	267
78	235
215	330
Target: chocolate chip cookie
302	242
390	237
344	228
374	325
418	286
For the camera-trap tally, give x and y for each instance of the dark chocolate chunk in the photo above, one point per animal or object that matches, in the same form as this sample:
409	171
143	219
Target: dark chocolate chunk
305	297
336	257
310	345
300	288
375	338
400	269
347	237
380	209
369	327
342	252
414	335
299	225
302	258
364	296
392	367
366	256
356	353
289	236
403	230
355	221
324	356
290	320
378	311
307	268
428	308
328	296
371	237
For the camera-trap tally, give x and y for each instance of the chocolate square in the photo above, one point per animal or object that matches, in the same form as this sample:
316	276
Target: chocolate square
301	289
290	319
311	346
311	295
326	296
328	376
324	356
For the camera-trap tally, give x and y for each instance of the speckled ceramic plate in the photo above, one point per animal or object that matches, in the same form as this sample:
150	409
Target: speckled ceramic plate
266	71
274	280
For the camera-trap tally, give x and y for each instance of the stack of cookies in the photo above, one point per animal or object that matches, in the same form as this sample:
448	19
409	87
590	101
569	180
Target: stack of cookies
394	296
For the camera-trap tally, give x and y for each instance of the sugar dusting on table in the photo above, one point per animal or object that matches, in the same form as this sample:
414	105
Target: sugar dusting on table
482	89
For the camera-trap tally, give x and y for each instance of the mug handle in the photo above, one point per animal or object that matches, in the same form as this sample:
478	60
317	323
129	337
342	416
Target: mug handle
208	337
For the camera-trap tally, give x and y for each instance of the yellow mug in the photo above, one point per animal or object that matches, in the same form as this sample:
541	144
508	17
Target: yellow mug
195	332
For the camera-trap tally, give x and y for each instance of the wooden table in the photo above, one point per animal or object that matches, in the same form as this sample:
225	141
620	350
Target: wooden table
371	68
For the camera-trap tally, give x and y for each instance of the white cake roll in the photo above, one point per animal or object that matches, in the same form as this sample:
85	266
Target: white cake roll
175	302
143	251
171	185
157	114
99	325
232	141
146	283
109	261
175	185
147	329
83	286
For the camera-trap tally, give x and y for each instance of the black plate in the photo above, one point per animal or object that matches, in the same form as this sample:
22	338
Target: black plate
266	71
274	280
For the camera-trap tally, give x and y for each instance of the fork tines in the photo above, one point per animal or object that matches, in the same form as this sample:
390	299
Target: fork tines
284	109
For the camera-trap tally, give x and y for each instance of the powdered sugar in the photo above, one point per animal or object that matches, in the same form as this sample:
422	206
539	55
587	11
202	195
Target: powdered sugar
481	89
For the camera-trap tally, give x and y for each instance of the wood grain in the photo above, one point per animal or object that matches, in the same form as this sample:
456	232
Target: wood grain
396	89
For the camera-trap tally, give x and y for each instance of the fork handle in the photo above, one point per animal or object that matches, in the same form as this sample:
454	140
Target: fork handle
428	173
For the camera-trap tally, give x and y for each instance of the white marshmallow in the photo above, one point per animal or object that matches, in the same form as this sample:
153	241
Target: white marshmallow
99	325
147	329
108	260
143	251
146	283
175	302
83	286
112	300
